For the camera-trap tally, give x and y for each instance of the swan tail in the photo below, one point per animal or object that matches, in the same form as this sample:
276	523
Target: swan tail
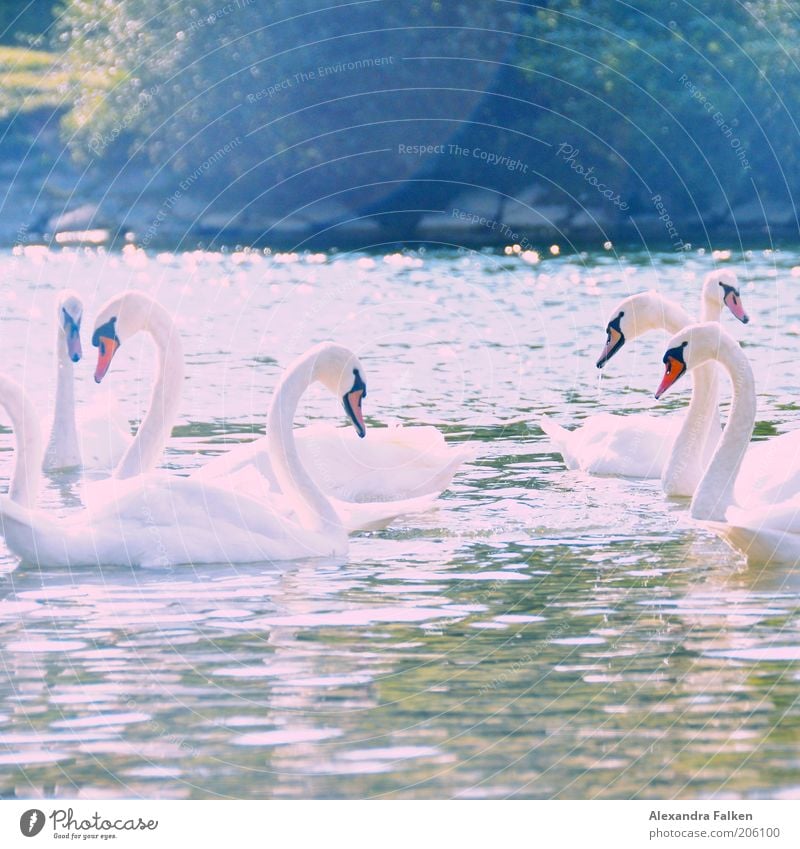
560	437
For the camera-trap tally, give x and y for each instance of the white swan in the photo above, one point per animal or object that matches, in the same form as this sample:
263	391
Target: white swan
640	445
399	463
161	519
96	442
738	491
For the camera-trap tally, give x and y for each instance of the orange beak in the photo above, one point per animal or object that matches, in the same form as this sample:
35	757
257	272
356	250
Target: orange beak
675	368
106	349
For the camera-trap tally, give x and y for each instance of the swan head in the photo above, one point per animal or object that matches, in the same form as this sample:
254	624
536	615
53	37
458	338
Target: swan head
693	346
632	317
69	317
341	372
721	288
119	318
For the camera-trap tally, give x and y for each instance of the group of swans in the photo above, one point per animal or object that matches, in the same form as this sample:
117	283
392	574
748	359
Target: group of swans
748	493
641	445
271	500
300	493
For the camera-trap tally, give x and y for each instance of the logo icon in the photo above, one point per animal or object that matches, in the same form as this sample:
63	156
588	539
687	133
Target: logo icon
31	822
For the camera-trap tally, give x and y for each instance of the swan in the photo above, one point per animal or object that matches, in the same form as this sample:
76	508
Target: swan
749	494
400	463
121	318
162	519
640	445
97	442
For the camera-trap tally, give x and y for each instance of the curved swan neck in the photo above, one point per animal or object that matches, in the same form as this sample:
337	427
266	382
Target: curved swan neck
700	429
673	316
313	507
25	478
652	311
710	309
144	452
63	447
715	491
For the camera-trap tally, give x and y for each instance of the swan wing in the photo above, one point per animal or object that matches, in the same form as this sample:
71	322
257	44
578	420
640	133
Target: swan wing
393	463
770	472
635	446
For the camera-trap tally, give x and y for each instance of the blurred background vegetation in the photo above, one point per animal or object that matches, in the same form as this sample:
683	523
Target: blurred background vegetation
318	102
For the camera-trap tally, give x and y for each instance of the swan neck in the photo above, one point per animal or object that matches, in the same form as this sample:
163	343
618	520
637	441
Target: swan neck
659	313
697	435
63	447
312	505
715	491
674	317
156	427
710	309
25	478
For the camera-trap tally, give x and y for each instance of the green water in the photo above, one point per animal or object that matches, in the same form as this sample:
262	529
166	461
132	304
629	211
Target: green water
540	634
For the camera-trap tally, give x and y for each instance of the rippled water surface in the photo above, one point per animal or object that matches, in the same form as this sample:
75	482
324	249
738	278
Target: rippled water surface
540	634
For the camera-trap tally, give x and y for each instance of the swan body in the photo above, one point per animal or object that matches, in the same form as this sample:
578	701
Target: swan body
398	463
93	442
635	446
641	445
159	519
736	491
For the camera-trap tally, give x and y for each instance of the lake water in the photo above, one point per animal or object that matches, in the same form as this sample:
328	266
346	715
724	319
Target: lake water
540	634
